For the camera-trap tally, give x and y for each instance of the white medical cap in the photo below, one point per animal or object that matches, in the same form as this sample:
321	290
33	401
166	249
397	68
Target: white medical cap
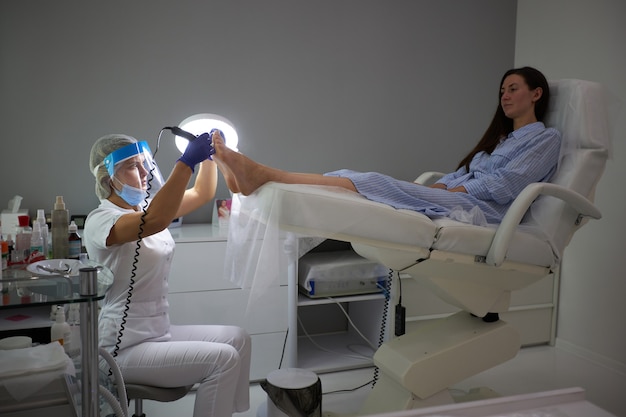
103	147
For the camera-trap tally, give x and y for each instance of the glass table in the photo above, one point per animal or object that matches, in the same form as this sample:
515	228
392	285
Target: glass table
64	281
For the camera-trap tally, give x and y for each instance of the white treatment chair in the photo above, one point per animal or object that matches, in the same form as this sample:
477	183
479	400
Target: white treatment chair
472	267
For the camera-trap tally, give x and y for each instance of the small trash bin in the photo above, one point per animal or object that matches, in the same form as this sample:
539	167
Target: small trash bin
292	392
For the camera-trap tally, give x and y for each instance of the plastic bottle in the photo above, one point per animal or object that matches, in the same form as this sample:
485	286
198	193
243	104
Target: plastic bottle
60	224
74	241
11	245
23	233
4	288
73	319
53	312
37	252
4	246
60	330
73	316
45	232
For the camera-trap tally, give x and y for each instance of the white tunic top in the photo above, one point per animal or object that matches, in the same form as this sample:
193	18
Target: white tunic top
147	316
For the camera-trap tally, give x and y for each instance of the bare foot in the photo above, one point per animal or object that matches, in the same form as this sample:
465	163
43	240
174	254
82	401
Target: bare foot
242	174
245	176
218	142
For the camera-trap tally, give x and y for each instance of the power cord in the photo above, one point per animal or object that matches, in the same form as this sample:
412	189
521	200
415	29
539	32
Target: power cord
133	273
282	354
131	284
356	329
349	389
383	320
317	345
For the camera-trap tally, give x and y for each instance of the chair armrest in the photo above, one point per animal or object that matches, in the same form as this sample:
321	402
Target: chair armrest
513	217
429	177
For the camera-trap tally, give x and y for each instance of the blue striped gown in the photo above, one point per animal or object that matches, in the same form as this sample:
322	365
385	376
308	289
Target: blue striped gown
529	154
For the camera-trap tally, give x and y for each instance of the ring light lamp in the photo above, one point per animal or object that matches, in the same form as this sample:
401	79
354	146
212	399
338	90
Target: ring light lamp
204	122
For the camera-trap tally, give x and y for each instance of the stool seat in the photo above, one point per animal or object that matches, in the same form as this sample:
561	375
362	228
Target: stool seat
138	393
147	392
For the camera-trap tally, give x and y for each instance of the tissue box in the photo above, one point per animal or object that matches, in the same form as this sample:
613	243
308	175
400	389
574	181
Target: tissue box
9	221
324	274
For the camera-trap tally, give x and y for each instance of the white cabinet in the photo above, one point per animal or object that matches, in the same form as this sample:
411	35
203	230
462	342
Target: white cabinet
200	294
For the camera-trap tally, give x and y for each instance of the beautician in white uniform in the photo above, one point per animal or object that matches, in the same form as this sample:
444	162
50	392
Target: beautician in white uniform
147	348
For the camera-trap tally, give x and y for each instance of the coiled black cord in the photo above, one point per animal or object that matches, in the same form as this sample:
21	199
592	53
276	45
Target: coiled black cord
179	132
383	320
133	272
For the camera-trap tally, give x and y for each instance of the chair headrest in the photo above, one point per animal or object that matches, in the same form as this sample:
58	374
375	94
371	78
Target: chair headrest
578	108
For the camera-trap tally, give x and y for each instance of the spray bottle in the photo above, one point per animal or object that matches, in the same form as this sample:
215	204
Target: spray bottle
45	232
23	233
60	330
4	244
37	252
75	242
60	224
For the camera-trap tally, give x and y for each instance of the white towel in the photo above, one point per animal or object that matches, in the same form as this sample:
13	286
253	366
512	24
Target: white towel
25	371
31	360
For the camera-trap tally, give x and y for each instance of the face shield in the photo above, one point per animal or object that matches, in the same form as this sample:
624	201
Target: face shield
134	173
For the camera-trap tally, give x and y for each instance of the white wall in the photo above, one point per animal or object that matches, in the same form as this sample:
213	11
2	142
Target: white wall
398	87
585	39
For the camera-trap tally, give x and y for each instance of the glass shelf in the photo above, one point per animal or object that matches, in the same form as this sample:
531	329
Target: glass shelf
21	287
83	282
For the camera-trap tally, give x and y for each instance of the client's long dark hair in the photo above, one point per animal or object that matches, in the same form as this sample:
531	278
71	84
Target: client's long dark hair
501	125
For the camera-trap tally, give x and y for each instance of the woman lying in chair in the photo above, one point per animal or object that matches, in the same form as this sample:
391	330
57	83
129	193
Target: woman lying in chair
516	150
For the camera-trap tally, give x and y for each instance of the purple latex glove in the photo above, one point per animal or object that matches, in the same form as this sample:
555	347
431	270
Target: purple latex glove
197	151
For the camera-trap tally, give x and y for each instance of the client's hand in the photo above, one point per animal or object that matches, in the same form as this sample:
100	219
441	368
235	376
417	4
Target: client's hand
197	151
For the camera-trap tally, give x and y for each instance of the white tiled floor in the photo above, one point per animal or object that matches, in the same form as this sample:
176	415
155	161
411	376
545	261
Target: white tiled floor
534	369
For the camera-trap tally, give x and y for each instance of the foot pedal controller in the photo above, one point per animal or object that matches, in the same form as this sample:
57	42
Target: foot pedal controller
400	320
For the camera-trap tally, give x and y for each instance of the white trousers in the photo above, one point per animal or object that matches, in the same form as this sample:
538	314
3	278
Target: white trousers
217	357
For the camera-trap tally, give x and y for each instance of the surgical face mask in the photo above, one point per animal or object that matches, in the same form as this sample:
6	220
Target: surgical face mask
132	195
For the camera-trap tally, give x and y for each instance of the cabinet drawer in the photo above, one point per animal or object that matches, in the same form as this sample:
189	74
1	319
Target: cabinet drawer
265	314
534	326
541	292
199	266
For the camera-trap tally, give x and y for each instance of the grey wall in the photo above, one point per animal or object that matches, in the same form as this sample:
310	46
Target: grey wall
393	86
583	39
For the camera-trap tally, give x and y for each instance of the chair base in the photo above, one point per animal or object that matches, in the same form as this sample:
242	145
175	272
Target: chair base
420	366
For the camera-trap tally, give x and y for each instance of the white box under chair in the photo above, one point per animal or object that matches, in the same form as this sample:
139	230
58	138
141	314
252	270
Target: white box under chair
328	274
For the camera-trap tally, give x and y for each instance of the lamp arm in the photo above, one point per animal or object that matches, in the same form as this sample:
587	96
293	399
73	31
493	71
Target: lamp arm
513	217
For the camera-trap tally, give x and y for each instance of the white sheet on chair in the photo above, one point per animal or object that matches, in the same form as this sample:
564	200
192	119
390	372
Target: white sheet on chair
280	214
